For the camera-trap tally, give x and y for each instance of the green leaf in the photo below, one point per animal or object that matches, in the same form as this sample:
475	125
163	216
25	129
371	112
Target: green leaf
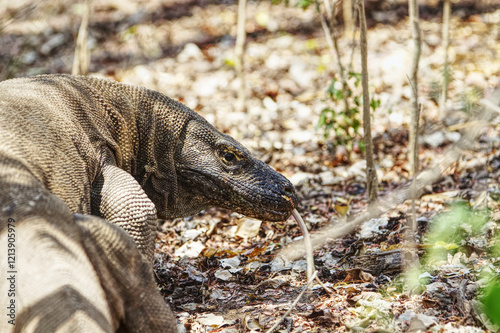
304	4
374	103
335	94
361	144
321	120
357	76
355	125
331	88
338	95
229	62
491	303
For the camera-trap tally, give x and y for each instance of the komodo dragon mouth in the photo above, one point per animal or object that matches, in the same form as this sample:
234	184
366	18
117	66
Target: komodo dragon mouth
271	198
268	214
275	204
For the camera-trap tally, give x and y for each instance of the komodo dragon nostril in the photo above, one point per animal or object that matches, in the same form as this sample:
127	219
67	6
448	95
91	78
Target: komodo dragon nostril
289	191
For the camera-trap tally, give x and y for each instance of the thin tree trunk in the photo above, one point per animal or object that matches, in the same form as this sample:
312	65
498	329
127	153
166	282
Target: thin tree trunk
332	39
348	17
371	173
241	35
446	68
414	107
81	61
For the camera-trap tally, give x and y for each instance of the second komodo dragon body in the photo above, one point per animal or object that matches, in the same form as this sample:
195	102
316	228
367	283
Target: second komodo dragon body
77	152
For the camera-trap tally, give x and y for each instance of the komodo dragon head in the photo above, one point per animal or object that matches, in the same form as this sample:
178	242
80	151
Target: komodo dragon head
213	169
191	166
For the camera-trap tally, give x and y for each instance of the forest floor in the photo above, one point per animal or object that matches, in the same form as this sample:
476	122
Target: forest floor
219	270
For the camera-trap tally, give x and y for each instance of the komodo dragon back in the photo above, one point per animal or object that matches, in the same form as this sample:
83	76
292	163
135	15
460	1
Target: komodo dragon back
87	166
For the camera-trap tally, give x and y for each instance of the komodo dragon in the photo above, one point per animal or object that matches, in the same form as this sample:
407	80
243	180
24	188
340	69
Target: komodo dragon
77	152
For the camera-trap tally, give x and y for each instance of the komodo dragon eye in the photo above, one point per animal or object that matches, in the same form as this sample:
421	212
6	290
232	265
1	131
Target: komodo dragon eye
229	157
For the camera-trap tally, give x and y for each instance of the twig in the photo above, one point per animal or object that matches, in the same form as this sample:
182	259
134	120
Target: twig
446	44
414	185
239	51
328	290
293	304
332	41
353	42
81	60
417	42
489	105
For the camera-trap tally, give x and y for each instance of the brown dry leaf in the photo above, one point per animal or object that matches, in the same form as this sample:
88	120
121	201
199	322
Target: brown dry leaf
256	251
429	303
342	206
214	252
210	252
228	253
366	277
357	274
367	295
273	283
248	227
342	210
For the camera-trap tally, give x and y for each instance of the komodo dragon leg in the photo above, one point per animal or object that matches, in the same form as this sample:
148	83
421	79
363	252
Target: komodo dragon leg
126	278
65	298
118	198
97	282
68	272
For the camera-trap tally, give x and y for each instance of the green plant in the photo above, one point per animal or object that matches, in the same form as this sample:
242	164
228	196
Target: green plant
491	291
491	295
451	233
304	4
344	123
